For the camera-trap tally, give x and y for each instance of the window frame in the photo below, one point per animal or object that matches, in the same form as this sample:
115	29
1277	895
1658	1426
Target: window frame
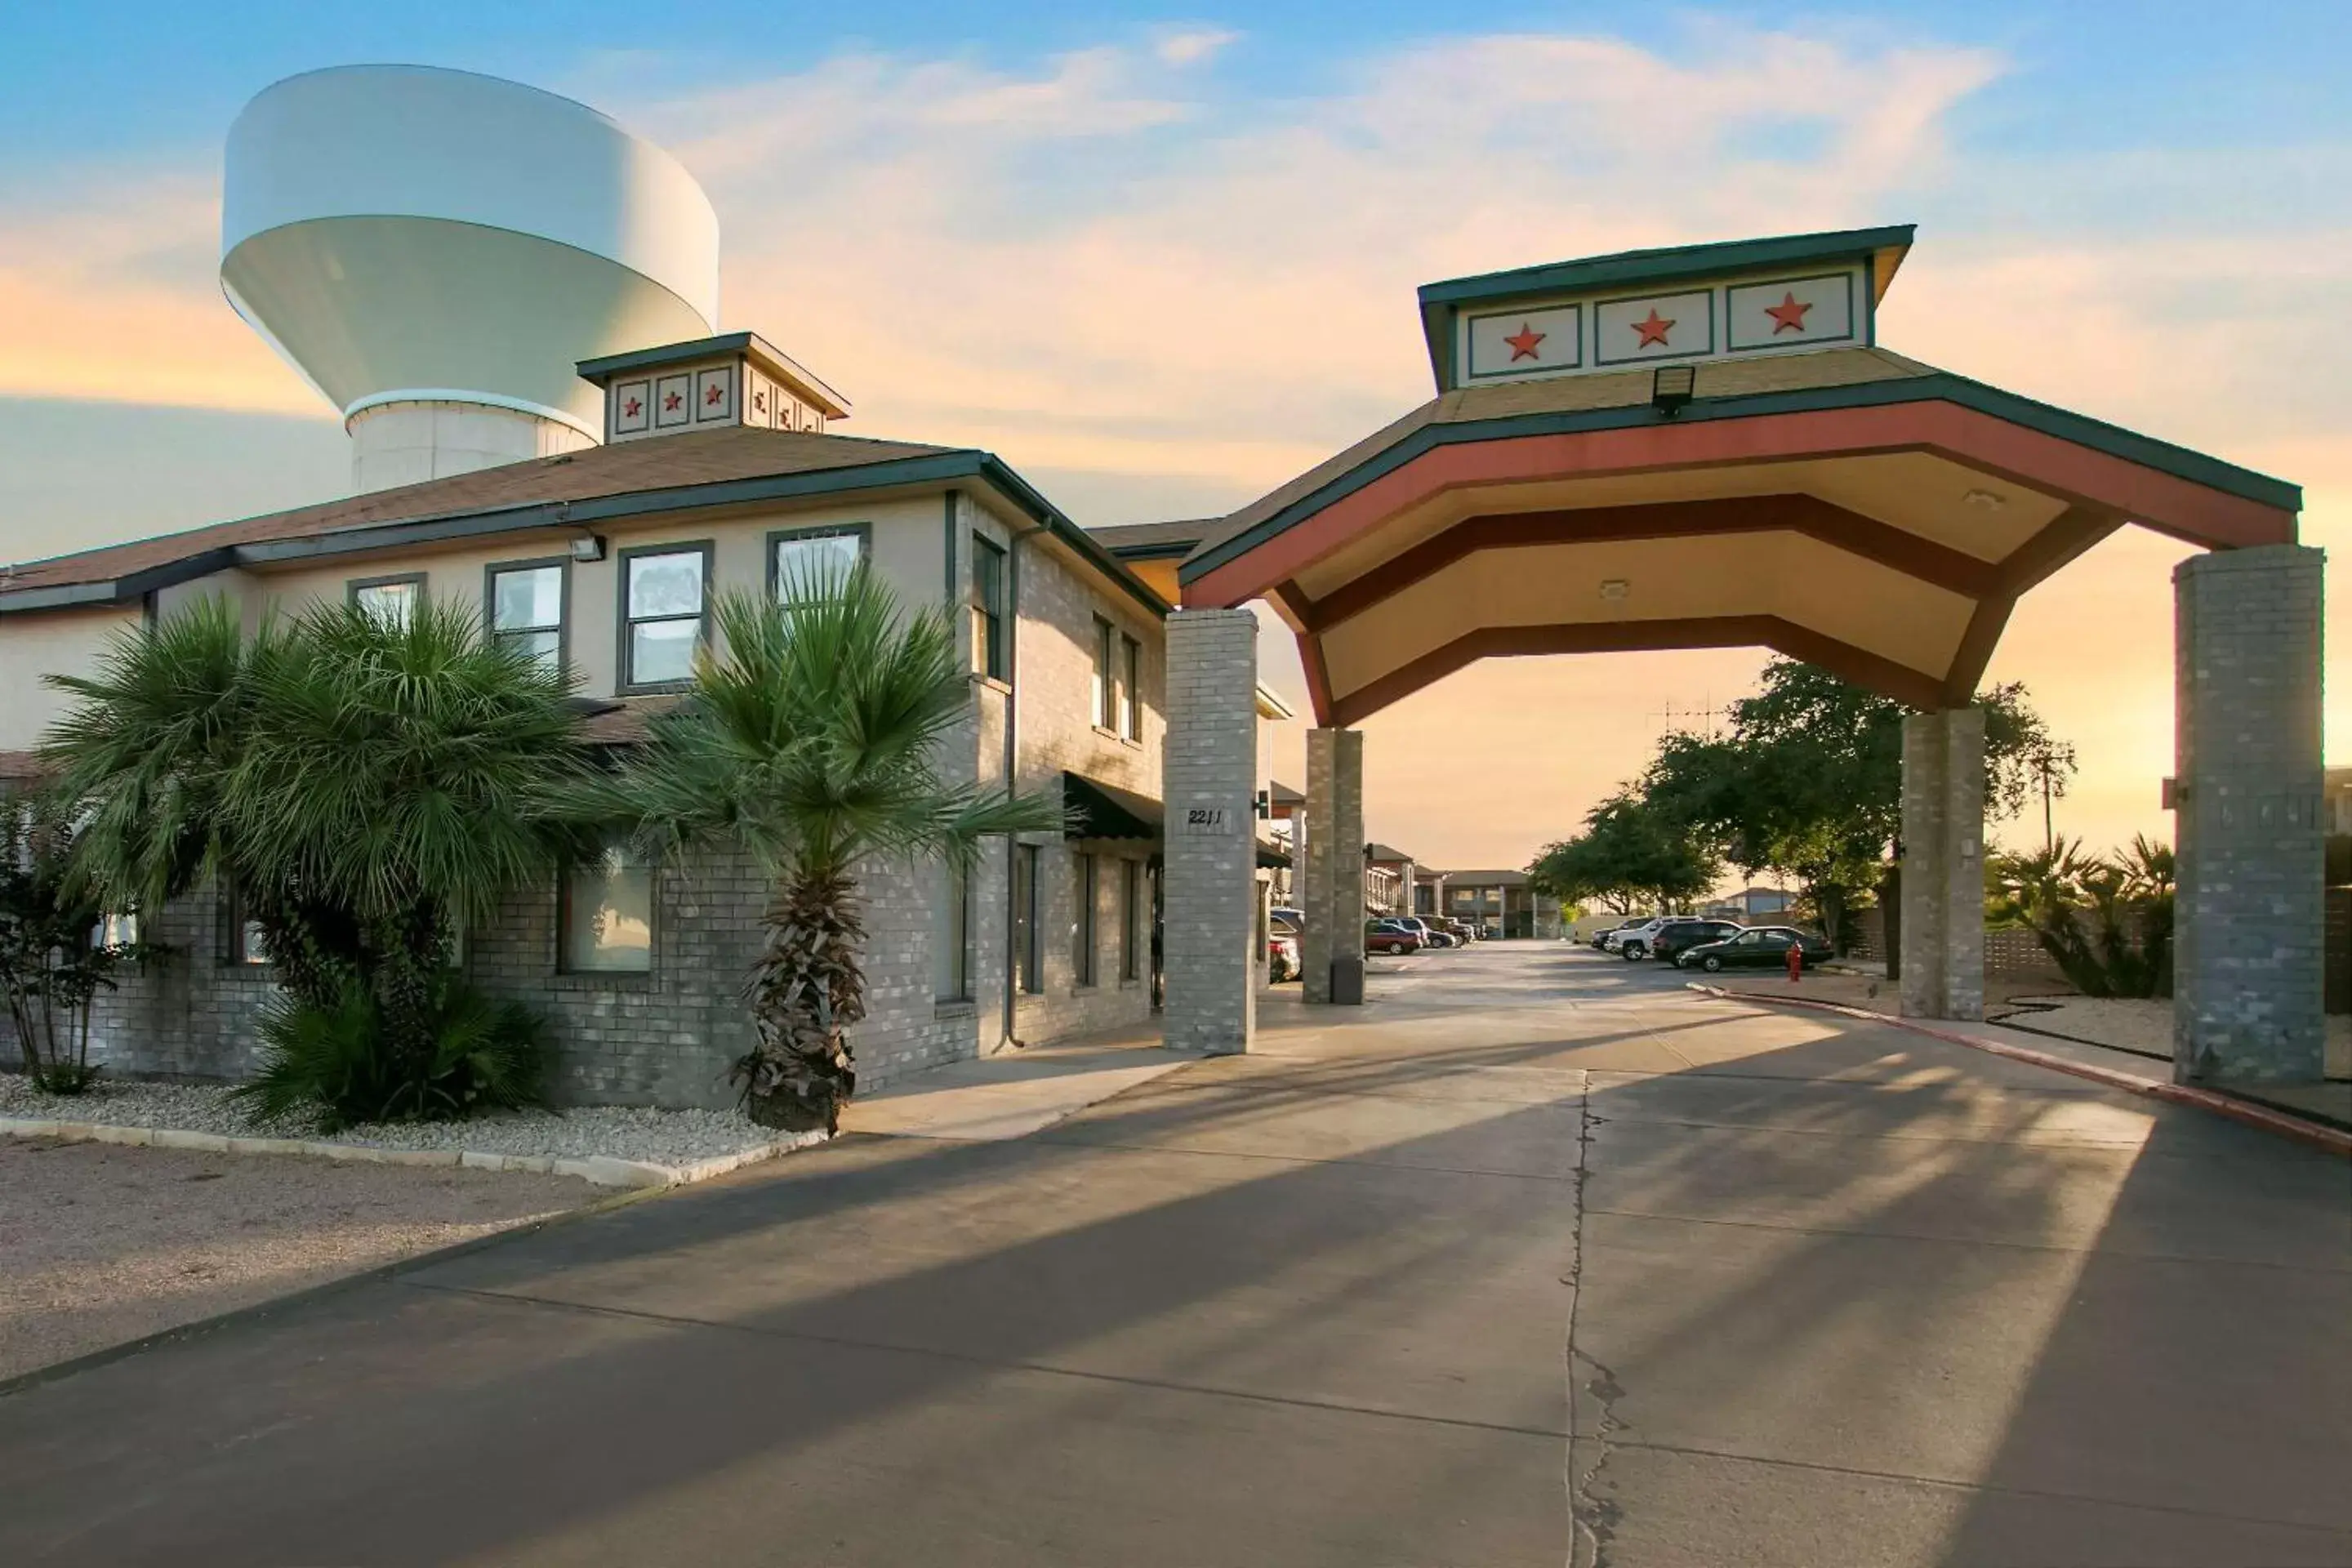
564	964
355	586
991	653
563	601
1131	697
236	926
1028	965
1106	679
861	531
1086	935
959	884
1130	919
627	683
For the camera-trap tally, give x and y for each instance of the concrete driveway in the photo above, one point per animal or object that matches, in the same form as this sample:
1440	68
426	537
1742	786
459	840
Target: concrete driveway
1806	1291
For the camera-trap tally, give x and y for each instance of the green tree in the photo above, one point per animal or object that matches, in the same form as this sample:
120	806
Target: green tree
368	789
1630	853
55	954
1808	781
812	742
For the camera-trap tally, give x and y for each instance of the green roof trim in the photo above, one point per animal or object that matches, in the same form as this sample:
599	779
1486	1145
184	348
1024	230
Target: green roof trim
1669	263
1441	301
1941	386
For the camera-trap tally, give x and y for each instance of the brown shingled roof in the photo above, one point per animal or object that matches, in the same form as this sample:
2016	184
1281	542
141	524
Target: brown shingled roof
667	462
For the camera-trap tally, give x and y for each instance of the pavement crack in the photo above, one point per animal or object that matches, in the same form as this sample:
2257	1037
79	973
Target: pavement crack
1594	1513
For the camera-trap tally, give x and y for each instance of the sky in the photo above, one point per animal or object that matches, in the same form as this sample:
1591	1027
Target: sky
1162	260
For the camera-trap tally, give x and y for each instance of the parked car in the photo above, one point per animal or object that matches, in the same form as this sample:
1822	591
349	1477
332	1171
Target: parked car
1462	932
1678	937
1614	934
1766	947
1633	941
1387	936
1430	934
1282	955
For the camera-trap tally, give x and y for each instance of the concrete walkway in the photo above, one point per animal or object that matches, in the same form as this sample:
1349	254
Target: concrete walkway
1535	1255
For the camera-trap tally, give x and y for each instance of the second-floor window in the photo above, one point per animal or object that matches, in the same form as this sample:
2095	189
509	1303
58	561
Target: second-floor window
664	594
392	600
1106	691
1130	680
526	609
803	557
988	649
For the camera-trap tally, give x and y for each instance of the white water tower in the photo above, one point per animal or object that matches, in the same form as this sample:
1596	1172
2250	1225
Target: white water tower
435	250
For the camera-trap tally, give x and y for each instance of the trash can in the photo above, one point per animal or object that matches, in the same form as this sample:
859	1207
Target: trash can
1347	981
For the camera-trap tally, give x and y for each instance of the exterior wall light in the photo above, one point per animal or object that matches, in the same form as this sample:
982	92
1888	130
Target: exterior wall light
1671	386
1986	500
588	547
1615	588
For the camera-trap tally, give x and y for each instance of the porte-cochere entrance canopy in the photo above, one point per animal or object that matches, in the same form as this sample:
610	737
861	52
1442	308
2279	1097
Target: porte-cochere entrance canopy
1698	447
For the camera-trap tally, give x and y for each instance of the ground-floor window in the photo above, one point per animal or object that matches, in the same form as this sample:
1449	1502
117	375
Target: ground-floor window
952	937
1130	919
1025	918
607	913
1086	886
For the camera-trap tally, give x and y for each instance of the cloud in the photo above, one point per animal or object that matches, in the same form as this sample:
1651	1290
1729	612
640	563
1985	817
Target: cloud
1190	47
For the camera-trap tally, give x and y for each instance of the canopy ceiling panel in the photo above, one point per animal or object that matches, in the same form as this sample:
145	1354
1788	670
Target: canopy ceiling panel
1812	494
1882	612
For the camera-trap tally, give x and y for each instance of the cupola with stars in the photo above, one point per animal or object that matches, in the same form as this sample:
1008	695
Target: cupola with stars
736	379
1790	294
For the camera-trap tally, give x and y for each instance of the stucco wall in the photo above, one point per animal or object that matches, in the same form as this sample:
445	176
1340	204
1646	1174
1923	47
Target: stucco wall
32	646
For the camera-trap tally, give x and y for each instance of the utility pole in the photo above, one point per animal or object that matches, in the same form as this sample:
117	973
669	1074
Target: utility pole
2049	838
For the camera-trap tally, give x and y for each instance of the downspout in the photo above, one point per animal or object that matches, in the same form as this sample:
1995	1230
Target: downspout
1011	780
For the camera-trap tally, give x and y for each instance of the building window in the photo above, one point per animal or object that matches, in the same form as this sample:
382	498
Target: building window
1131	686
1025	918
115	931
665	591
1106	692
1130	919
1086	889
952	937
391	600
607	913
988	651
526	609
246	945
805	557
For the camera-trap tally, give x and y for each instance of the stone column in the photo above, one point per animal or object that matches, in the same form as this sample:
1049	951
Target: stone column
2250	915
1942	961
1332	950
1209	770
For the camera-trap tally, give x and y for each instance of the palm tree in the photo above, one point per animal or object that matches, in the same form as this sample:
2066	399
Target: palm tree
369	788
811	743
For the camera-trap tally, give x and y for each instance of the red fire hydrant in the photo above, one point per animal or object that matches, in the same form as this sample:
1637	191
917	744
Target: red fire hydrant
1796	962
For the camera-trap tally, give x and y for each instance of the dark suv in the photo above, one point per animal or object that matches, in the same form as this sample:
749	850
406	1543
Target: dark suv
1671	941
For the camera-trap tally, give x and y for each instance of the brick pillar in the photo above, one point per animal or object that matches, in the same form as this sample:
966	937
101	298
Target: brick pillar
1942	961
1209	770
1333	944
2250	918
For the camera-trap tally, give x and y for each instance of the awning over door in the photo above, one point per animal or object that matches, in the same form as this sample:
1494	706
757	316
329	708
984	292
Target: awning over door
1098	810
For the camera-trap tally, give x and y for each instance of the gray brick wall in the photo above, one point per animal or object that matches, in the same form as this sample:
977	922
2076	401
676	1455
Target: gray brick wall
1335	861
2250	918
1943	864
1211	880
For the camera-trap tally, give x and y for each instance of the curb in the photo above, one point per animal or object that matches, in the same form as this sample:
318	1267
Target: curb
598	1170
2318	1135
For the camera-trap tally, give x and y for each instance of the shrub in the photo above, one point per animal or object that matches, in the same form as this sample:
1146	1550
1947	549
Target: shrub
333	1062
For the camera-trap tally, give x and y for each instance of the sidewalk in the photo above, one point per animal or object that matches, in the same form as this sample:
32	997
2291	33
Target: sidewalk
1015	1092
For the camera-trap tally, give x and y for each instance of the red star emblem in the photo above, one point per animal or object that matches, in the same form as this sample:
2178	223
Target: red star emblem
759	401
1523	343
632	407
669	403
1654	330
710	399
1789	315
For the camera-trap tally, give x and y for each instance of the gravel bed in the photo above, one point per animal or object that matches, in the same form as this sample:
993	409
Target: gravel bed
2141	1024
621	1132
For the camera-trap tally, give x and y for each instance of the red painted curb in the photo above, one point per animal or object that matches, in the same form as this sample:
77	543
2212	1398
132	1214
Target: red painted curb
2330	1140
